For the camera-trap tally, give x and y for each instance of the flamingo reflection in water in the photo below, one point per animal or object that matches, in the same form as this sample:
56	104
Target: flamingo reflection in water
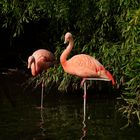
84	128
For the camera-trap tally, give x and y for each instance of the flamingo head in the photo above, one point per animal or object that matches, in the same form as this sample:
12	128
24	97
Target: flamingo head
68	37
31	59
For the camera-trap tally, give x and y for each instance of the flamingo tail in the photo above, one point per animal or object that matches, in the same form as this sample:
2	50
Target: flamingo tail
109	75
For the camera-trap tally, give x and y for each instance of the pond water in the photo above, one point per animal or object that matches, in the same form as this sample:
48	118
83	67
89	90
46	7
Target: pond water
62	118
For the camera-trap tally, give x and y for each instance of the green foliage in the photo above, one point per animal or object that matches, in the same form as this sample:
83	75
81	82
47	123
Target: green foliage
107	30
54	78
131	66
15	13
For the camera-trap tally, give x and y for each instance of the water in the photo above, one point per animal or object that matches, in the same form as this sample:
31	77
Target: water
62	117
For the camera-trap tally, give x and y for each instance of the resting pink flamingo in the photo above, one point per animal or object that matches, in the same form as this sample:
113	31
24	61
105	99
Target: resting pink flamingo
82	65
40	60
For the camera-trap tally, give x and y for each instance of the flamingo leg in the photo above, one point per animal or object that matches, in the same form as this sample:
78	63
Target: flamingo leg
84	114
82	82
42	94
85	95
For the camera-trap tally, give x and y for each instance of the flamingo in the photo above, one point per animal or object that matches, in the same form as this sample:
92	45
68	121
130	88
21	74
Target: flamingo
40	60
82	65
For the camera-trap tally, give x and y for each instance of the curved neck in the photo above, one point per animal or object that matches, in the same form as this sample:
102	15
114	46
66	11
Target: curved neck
33	66
66	52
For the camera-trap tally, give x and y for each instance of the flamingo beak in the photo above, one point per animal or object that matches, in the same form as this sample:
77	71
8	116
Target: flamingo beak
30	61
28	66
65	42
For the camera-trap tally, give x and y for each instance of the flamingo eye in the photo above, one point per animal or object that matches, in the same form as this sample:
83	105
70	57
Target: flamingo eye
68	38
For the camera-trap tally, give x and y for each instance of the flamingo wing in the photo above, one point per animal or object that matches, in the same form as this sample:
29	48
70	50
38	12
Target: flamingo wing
83	65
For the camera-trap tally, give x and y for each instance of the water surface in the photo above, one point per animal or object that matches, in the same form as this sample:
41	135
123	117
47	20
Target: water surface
62	117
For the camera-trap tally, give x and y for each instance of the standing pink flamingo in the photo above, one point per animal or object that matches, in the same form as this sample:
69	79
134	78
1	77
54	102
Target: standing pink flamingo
82	65
40	60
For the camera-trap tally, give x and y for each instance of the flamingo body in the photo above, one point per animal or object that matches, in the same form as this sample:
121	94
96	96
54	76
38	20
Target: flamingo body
40	60
82	65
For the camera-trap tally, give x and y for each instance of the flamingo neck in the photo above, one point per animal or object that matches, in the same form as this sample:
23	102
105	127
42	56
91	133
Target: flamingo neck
66	52
33	67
